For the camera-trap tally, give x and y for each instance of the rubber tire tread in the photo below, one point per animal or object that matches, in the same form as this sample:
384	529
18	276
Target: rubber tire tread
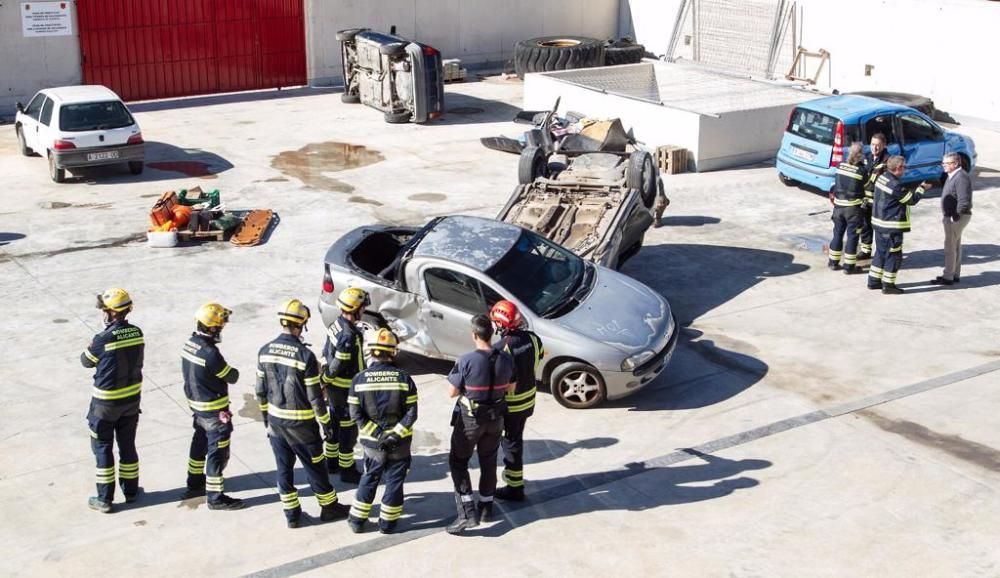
614	55
398	117
348	98
530	57
637	161
527	165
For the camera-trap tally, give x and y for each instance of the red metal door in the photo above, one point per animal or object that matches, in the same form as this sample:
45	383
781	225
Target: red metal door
146	49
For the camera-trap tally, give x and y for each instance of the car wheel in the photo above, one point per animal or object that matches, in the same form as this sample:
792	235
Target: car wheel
23	146
557	53
393	49
58	174
349	98
135	167
349	34
578	386
398	117
533	164
787	181
640	175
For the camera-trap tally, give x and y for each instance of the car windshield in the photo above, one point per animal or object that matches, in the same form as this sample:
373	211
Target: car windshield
541	274
94	116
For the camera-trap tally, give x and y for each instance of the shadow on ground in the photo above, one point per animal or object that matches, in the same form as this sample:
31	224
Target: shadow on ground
164	161
985	178
6	238
230	98
974	254
466	109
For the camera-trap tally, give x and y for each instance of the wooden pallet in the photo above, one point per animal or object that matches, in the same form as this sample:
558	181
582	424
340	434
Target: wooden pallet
201	235
671	159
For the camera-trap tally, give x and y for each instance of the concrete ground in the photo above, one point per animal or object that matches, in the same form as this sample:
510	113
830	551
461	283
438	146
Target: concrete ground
806	426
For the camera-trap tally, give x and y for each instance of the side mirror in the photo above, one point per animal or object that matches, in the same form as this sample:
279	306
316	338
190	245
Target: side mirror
20	107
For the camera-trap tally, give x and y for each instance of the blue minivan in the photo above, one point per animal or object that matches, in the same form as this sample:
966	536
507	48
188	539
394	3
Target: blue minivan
819	132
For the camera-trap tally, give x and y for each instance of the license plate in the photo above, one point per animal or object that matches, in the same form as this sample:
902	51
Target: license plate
803	154
102	156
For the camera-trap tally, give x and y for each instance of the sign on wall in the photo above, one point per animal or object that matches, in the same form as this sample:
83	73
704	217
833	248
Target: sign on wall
46	19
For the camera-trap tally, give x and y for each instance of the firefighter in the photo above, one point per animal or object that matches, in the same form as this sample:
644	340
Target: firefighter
480	380
117	354
291	402
847	197
207	378
383	404
874	166
526	349
344	359
891	218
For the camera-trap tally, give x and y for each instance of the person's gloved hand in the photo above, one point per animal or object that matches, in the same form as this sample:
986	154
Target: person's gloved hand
388	441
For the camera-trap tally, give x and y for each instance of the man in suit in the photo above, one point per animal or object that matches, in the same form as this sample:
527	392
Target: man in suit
956	205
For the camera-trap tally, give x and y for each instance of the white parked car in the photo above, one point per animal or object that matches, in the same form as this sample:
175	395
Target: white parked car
79	126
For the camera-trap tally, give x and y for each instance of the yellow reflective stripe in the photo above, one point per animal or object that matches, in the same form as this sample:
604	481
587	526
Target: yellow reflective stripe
353	400
850	203
124	343
895	249
193	358
538	350
289	501
324	419
906	198
369	428
260	373
891	224
327	380
410	400
312	380
220	403
342	355
327	498
522	406
317	459
346	423
93	434
292	414
402	430
224	443
283	361
263	406
341	382
90	356
850	174
225	371
521	396
383	386
882	187
120	393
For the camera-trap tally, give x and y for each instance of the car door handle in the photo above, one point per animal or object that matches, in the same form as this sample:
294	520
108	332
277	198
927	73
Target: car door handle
436	315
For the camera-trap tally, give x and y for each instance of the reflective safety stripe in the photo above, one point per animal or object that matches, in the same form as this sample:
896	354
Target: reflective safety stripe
850	174
345	459
224	443
283	361
411	399
331	450
847	203
124	343
225	371
317	459
515	408
402	431
327	498
340	382
260	373
360	510
93	434
214	405
834	255
514	478
891	224
346	423
120	393
128	471
289	501
312	380
369	428
90	356
196	467
324	419
850	258
263	406
905	198
882	187
539	352
383	386
106	475
326	380
343	355
390	513
353	400
896	249
193	358
293	414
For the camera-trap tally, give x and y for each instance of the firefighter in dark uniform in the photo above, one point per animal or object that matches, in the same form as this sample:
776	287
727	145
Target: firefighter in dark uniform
874	166
117	354
848	195
291	401
344	359
526	349
383	402
207	378
480	380
891	218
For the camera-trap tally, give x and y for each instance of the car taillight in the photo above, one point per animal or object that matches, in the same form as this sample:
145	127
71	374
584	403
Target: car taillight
135	139
838	145
434	115
327	282
430	51
62	145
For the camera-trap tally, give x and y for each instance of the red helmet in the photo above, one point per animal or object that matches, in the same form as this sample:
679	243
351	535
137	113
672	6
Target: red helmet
505	315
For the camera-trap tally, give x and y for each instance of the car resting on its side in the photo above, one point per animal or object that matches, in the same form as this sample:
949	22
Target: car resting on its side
606	335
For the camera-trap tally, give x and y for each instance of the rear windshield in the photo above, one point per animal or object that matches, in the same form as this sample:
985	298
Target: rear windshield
94	116
812	125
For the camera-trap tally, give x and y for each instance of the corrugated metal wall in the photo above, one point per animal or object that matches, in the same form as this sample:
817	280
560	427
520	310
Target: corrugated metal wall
146	49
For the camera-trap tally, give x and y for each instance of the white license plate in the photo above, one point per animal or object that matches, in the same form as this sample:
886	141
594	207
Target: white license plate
102	156
803	154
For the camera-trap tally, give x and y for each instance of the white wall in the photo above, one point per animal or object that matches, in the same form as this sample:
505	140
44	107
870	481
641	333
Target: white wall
29	64
480	32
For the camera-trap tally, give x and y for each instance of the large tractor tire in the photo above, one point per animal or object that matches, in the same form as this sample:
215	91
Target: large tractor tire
623	51
550	53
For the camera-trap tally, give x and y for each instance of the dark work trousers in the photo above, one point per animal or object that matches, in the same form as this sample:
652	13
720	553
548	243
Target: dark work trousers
513	449
378	466
483	439
102	440
311	456
887	260
340	446
845	223
209	455
865	232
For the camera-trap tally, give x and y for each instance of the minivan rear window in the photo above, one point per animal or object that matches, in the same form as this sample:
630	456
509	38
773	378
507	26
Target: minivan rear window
94	116
813	125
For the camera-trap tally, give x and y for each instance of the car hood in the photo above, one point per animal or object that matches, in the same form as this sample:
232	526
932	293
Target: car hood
621	312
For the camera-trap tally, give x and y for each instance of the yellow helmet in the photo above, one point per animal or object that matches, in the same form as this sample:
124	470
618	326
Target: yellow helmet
352	299
385	341
212	315
115	299
293	311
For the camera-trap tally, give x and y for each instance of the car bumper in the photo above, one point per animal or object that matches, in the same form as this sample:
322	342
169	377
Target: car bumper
620	384
814	176
86	157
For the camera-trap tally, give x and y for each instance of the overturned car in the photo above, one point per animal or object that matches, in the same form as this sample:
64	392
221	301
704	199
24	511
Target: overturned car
403	79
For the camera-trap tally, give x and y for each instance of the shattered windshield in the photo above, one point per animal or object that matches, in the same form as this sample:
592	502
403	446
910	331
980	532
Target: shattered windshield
541	274
94	116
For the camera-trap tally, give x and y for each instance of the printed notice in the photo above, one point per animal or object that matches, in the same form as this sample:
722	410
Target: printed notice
46	19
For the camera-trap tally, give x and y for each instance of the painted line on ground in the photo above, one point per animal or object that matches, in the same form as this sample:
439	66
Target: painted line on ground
588	482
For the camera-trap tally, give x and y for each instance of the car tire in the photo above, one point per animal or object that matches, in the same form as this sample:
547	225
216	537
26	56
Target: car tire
349	98
550	53
788	182
57	173
641	176
398	117
135	167
578	385
623	51
532	165
349	34
22	145
393	49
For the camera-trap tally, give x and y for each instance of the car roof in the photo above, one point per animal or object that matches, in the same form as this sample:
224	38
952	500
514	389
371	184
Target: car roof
473	241
81	93
850	106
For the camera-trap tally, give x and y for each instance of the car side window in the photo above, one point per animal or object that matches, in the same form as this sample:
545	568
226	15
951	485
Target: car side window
916	129
35	106
455	290
46	115
880	124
